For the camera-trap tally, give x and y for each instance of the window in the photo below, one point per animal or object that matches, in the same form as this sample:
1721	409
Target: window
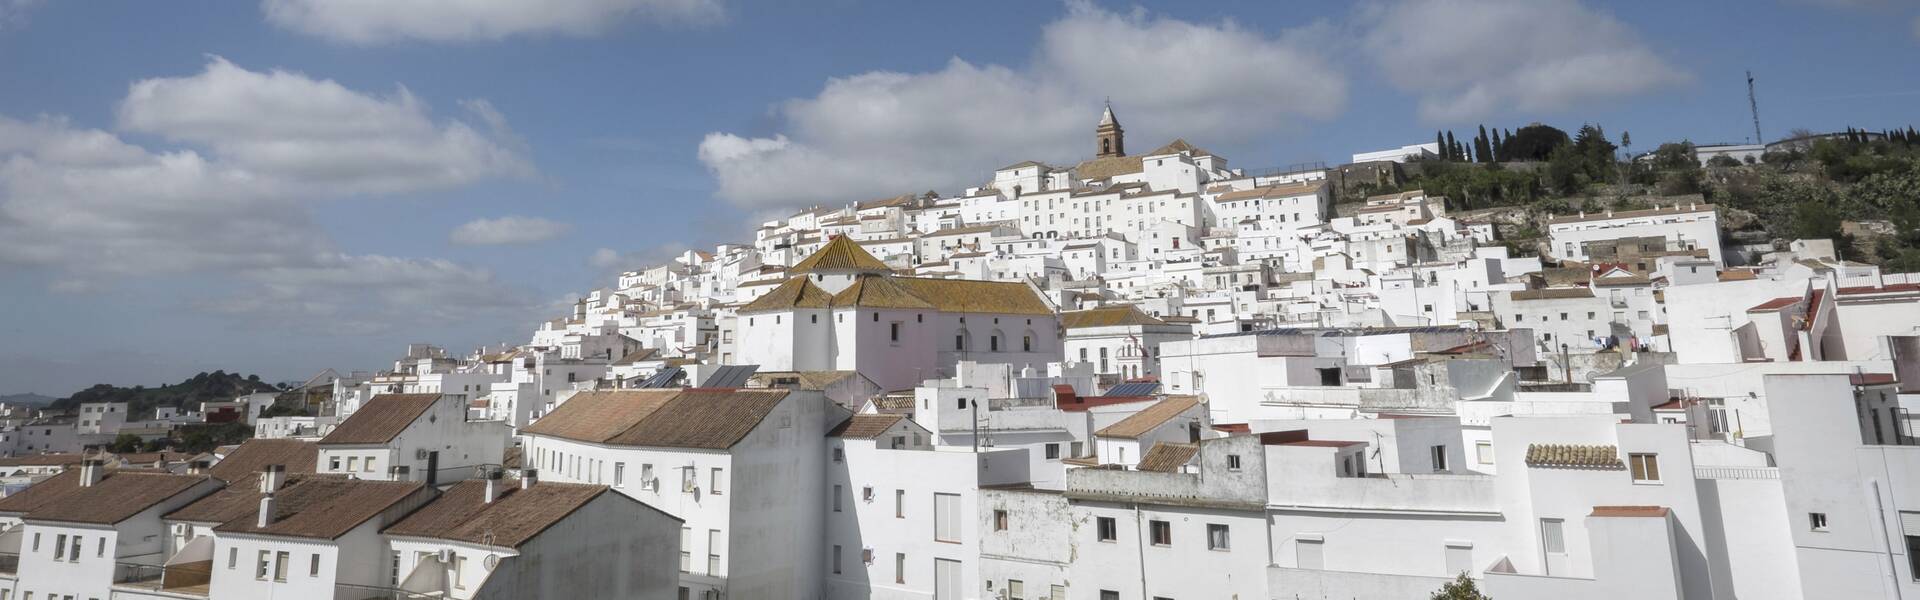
1646	467
459	568
900	568
1233	462
36	542
836	497
619	474
1552	539
1217	537
689	479
100	549
999	520
714	543
1107	529
686	549
280	560
1026	343
646	476
1053	451
1439	458
866	494
1459	557
946	513
900	504
1016	590
1160	533
834	562
1109	595
719	476
1913	557
1059	592
353	463
260	565
1817	521
313	565
839	455
1309	552
893	331
333	463
233	558
1483	452
60	547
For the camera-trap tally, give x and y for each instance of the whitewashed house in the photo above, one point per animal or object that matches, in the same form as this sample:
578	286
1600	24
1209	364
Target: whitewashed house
412	437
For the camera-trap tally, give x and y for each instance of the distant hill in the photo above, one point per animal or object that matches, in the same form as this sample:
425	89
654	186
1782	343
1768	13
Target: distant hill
27	399
141	400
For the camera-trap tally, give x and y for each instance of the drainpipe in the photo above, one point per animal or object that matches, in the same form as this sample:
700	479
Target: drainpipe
1886	543
1140	546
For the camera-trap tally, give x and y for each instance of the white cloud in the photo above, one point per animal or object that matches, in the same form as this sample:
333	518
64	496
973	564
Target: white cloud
1469	58
881	133
314	132
377	21
13	13
91	208
507	230
615	260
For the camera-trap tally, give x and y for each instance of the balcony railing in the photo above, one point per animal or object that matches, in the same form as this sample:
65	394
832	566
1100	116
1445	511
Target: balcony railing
345	591
185	579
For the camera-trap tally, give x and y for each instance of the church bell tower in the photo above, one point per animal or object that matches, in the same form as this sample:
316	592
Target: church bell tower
1112	141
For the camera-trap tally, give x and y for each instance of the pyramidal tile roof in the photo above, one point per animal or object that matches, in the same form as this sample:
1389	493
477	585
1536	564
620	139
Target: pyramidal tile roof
879	292
797	292
840	254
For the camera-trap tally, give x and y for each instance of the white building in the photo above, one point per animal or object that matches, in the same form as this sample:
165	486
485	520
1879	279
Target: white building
412	437
1690	227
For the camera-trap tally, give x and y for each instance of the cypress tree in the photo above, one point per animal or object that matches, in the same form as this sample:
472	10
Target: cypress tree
1499	146
1482	147
1440	145
1453	148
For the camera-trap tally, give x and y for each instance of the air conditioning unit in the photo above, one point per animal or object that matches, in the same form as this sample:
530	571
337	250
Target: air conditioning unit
420	454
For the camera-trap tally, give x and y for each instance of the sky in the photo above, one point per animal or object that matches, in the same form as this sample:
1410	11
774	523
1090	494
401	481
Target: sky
291	185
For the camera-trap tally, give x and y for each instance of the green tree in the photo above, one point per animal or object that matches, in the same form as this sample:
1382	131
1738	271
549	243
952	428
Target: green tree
125	442
1535	142
1722	161
1816	220
156	445
1461	588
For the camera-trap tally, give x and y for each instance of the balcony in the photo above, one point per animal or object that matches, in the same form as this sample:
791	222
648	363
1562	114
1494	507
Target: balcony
184	580
9	564
345	591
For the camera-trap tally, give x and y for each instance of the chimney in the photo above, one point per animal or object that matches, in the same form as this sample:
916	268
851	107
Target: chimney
272	477
91	471
528	477
266	511
492	486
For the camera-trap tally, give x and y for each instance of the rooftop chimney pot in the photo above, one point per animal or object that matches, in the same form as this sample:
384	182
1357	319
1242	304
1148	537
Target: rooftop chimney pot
529	477
92	470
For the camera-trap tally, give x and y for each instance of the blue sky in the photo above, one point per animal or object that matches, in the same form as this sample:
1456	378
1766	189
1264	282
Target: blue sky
292	185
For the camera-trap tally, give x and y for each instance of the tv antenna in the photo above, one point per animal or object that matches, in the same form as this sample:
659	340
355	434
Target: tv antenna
1754	105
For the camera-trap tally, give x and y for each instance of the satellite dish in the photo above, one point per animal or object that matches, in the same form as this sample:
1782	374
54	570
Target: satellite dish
491	562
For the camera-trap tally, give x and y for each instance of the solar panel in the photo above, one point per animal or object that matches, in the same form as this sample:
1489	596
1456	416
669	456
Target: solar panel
730	376
662	378
1144	388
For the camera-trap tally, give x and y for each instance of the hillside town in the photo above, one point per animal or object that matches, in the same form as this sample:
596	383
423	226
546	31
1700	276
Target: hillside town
1148	375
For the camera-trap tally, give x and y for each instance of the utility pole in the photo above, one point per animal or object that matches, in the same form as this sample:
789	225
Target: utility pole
1754	105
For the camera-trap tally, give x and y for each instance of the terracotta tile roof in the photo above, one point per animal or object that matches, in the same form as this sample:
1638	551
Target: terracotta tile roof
1167	458
49	491
964	230
1103	168
798	292
1021	165
252	455
966	295
1629	511
1552	294
690	418
1149	418
148	458
1892	288
1574	455
239	500
805	380
1872	379
1622	280
636	356
865	427
42	460
879	292
1108	316
1177	146
382	418
327	508
118	496
1775	304
1275	191
839	254
515	516
1736	275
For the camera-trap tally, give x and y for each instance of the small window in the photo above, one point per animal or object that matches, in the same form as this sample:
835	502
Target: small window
1552	539
1217	537
1160	533
899	504
839	455
893	331
900	568
719	478
1053	451
1817	521
260	565
836	559
1646	467
999	519
1233	462
1107	529
836	497
1483	452
280	560
1439	458
313	565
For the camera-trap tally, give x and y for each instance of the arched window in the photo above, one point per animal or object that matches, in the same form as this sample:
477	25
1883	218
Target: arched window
1106	145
